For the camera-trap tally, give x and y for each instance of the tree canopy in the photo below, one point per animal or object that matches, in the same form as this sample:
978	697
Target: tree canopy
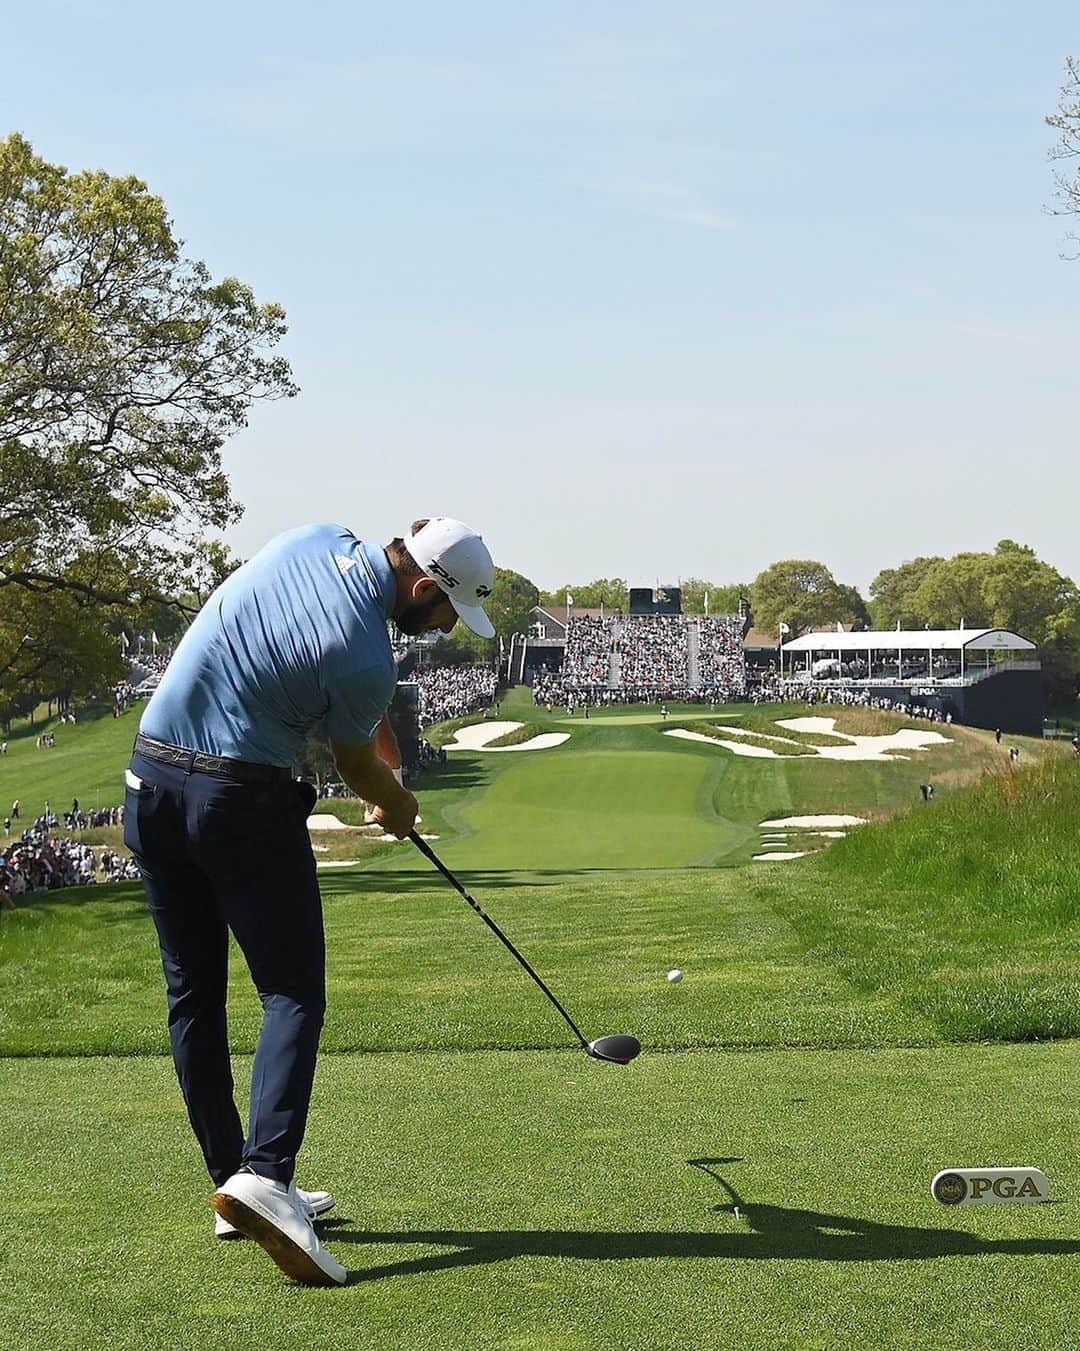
892	591
609	591
803	594
1066	120
124	368
723	600
614	593
511	603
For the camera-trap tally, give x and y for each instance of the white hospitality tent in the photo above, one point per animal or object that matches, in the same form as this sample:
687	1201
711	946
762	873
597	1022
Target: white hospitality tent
926	655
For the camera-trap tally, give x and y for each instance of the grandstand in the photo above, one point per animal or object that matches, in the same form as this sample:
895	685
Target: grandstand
612	657
983	677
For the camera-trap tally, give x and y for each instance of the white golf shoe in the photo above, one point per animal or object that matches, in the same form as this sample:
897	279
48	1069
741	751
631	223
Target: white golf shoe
315	1203
273	1215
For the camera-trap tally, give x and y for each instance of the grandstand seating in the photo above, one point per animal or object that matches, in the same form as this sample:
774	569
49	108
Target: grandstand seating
651	656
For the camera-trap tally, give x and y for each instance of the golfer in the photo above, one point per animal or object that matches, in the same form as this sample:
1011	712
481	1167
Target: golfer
218	824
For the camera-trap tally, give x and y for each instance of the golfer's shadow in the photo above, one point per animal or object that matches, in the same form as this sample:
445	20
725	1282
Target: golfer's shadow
771	1233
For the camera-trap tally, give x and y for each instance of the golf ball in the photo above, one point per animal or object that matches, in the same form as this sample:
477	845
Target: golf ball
674	975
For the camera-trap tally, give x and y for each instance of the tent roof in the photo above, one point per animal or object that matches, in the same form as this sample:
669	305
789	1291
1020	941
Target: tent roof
920	640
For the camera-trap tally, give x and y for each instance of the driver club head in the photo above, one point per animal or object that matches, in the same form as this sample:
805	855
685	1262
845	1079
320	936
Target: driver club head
619	1049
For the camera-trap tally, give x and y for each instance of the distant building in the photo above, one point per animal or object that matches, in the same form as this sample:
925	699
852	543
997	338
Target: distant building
761	648
982	677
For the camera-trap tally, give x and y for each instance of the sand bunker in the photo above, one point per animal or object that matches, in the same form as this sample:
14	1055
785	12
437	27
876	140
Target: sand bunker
811	822
866	747
739	747
858	747
798	829
477	736
350	862
808	724
327	823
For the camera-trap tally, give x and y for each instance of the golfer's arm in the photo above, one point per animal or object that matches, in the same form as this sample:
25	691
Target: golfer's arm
367	774
386	744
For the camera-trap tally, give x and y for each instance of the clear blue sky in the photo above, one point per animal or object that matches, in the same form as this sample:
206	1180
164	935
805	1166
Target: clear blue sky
637	289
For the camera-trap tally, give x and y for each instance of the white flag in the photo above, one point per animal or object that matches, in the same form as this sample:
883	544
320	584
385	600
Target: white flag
569	600
124	641
785	628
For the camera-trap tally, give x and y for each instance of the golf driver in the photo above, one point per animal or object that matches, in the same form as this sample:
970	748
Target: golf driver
619	1049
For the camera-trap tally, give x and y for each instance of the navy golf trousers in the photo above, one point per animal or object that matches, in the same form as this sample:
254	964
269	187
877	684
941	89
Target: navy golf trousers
217	855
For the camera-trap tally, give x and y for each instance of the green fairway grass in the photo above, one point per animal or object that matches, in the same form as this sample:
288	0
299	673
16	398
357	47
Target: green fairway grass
497	1188
411	966
551	812
499	1200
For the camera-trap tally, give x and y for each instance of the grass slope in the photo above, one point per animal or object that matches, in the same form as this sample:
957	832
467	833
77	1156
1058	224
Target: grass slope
87	762
969	910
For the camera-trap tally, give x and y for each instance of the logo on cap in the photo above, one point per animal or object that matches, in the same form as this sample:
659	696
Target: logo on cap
483	591
437	568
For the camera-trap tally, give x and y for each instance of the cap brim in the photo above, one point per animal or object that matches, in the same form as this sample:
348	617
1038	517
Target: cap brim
474	618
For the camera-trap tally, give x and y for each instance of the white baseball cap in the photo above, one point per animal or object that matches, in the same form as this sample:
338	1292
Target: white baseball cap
456	557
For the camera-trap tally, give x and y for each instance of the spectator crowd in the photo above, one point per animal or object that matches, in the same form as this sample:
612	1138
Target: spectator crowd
653	658
453	691
655	661
123	696
721	659
589	645
654	652
41	860
771	690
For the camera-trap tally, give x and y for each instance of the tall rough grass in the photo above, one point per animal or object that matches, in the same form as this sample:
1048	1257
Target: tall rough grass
969	907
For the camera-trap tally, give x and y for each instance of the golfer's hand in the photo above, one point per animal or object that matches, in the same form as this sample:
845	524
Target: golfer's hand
400	818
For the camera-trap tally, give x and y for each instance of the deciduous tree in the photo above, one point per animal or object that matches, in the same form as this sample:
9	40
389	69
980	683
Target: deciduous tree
893	591
803	593
610	591
1066	120
124	368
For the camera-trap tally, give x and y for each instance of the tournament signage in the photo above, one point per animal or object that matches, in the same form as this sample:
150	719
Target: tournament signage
990	1186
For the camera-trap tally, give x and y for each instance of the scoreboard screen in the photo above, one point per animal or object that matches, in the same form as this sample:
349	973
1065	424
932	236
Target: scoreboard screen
664	600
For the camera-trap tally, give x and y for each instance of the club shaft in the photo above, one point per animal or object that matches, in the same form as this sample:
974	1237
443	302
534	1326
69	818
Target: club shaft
430	854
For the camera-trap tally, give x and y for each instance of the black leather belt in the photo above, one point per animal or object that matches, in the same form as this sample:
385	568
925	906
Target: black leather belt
241	770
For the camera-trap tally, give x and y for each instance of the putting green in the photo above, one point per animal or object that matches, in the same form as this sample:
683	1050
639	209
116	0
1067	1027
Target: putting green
639	719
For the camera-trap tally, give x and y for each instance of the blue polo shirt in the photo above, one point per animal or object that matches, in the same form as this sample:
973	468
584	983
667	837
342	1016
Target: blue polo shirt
295	636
